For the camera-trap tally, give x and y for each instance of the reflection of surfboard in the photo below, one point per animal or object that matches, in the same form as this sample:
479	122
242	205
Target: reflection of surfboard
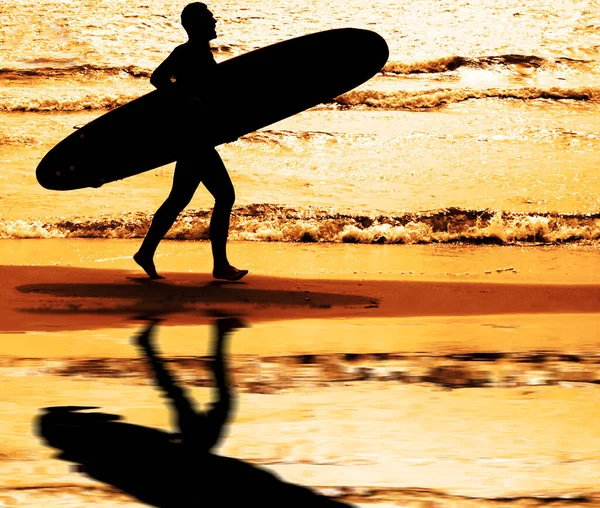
250	91
158	469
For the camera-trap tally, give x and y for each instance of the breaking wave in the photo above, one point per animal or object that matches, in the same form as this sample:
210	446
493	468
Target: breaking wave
268	222
74	70
436	65
430	99
400	100
85	103
453	63
71	494
90	70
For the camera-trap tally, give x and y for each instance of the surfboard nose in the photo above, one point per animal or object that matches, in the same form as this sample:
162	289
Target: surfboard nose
358	48
56	175
44	176
363	51
378	47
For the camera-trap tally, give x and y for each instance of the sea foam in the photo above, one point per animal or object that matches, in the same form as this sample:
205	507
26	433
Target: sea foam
268	222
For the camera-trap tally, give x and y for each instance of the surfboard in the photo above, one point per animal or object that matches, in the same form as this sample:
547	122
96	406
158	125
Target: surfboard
248	92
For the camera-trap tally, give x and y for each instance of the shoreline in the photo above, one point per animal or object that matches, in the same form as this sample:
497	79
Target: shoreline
556	264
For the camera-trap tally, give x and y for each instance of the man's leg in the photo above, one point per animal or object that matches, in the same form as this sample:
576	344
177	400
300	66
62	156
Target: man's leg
186	179
217	181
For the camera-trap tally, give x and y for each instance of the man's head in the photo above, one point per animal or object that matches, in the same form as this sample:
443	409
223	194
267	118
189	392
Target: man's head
198	21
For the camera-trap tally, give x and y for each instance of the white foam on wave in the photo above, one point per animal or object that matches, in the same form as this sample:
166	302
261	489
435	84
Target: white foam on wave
373	99
268	223
430	99
64	104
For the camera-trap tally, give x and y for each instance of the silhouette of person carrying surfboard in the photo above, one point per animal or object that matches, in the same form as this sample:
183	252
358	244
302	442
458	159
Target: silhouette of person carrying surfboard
190	66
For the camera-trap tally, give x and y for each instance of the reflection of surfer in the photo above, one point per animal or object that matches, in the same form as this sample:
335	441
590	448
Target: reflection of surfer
226	481
173	469
190	66
199	431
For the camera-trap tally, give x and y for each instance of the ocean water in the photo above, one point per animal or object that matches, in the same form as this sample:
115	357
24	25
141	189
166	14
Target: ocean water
482	127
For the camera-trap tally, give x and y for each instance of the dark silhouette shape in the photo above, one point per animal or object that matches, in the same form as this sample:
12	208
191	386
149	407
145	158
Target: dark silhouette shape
247	92
172	470
151	297
167	295
191	66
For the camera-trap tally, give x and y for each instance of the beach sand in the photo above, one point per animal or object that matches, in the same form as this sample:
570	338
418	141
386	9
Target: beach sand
431	376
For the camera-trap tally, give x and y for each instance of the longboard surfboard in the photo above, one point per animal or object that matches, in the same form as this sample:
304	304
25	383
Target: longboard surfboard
248	92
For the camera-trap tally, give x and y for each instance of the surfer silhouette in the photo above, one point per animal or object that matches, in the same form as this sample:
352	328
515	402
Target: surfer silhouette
190	66
178	469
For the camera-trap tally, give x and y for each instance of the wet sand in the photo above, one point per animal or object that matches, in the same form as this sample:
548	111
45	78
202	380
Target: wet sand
64	292
436	387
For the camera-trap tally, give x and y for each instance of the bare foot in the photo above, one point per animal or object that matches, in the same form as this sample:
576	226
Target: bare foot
229	273
148	265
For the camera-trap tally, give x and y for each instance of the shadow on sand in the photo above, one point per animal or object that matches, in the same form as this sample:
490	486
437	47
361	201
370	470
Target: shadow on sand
171	469
177	295
144	297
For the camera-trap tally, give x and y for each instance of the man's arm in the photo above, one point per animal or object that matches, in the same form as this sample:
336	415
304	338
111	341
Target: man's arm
163	74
